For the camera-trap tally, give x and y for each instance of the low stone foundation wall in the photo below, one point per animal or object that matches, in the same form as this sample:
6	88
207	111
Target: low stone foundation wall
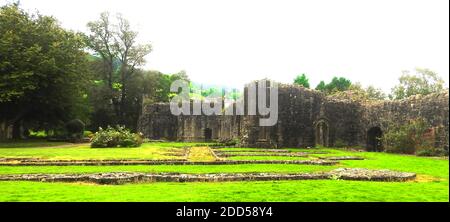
371	175
225	154
336	158
122	178
253	151
41	162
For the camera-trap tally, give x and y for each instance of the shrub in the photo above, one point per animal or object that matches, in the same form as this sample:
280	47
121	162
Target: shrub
431	152
37	134
408	138
340	143
116	137
75	129
88	134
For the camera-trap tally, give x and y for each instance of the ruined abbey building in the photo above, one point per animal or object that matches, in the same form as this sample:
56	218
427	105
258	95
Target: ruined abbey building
306	118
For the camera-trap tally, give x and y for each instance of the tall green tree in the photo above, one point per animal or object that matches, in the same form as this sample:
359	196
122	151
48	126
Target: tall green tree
423	82
43	70
115	43
302	80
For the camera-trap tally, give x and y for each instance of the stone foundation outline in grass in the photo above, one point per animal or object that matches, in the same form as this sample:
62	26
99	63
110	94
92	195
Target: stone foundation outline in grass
122	178
224	154
336	158
159	162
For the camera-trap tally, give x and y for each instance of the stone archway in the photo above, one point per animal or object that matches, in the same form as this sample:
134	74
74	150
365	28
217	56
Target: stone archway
322	128
208	134
374	143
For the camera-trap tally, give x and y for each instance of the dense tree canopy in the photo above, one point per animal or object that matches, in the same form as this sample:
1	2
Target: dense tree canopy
43	70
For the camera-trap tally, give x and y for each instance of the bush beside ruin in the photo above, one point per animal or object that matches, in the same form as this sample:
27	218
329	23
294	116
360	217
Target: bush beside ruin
116	137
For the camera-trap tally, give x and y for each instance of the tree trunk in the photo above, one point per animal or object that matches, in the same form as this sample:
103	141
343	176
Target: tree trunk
16	123
17	130
4	130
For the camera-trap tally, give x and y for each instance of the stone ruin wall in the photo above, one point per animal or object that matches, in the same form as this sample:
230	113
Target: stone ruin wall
306	118
432	108
157	122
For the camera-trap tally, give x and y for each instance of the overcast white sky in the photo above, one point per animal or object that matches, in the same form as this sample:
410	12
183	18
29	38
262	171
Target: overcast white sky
232	42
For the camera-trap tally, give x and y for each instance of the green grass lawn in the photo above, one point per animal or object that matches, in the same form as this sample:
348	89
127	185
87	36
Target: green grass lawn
190	169
431	185
267	158
420	165
148	151
289	191
30	144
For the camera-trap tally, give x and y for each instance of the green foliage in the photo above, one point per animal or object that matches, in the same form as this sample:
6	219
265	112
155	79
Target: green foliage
431	152
302	80
75	129
357	92
375	93
340	143
201	92
156	85
407	138
322	86
43	72
88	134
424	82
118	57
116	137
337	84
37	134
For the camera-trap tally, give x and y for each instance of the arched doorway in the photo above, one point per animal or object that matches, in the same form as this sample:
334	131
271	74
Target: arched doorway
208	134
374	143
322	133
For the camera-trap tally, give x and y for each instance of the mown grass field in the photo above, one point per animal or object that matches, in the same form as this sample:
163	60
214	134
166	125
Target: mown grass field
431	184
61	151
